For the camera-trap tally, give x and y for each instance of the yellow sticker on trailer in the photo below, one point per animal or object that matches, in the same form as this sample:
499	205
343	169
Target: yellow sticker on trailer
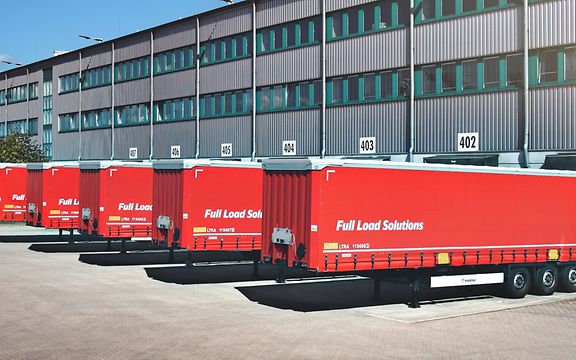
114	218
54	212
8	206
200	230
330	246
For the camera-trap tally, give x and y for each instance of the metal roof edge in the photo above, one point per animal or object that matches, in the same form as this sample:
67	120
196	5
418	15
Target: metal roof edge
181	164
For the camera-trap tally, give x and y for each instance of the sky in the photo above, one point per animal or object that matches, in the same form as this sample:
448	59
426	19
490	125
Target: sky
31	30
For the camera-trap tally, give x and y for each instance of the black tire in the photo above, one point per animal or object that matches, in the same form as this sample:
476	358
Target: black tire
567	278
517	283
546	280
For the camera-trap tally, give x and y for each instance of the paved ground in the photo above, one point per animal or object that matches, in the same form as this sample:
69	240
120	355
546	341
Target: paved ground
56	307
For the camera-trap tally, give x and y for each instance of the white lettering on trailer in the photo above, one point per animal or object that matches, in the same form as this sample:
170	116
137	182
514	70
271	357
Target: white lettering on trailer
68	202
134	207
231	214
386	225
17	197
466	280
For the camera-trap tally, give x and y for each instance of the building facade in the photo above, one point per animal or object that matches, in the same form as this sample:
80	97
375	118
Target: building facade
334	78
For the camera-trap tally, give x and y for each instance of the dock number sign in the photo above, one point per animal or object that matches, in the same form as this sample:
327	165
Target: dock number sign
289	148
226	150
367	145
468	142
175	152
133	153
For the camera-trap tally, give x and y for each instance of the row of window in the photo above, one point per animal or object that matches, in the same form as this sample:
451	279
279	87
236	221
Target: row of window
289	35
225	49
132	69
438	9
384	85
19	127
226	104
291	96
368	18
97	77
173	60
19	94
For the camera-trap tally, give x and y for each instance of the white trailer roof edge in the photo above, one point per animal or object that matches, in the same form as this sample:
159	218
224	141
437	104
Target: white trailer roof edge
192	163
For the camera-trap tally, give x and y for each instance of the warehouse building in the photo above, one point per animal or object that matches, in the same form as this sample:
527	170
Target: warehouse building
246	81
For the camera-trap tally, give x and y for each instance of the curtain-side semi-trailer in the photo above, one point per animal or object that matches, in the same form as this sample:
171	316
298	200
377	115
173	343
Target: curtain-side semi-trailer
12	192
116	199
449	225
52	191
207	205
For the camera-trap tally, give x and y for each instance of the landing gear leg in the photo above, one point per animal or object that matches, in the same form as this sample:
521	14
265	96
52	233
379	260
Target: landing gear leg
415	288
255	273
281	278
376	295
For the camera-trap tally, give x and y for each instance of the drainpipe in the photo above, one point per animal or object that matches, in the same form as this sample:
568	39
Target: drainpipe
80	106
197	88
6	100
112	113
28	99
254	47
412	102
151	95
525	154
323	151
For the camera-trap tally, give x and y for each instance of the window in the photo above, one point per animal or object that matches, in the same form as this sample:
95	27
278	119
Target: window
490	3
317	30
291	96
353	88
369	86
429	79
404	82
353	22
265	99
96	77
337	90
68	122
304	32
239	100
448	77
228	109
133	69
317	86
278	37
514	70
548	66
448	7
2	97
304	95
291	33
570	63
385	14
218	101
369	18
468	5
404	13
469	75
265	41
491	73
278	97
428	9
386	84
337	25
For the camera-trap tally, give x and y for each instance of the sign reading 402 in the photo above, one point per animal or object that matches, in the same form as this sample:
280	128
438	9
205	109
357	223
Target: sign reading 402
468	142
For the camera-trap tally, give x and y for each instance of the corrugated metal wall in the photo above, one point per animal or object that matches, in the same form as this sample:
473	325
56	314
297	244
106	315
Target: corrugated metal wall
132	92
553	118
97	98
96	57
291	63
493	115
334	5
230	23
483	34
175	85
231	130
272	12
553	23
176	36
171	134
345	125
274	128
227	76
130	137
134	47
96	144
64	146
366	53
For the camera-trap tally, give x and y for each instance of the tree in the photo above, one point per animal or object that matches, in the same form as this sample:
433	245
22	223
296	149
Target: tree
20	148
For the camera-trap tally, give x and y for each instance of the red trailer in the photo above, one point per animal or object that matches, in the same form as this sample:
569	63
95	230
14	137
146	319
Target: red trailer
207	205
13	192
116	199
52	193
473	225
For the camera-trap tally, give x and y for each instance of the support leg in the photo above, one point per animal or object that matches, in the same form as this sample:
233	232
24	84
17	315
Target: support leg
171	254
281	278
415	288
71	239
60	234
109	245
189	262
123	247
376	295
255	273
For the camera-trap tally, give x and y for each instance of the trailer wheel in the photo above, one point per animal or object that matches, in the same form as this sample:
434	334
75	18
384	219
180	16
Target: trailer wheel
545	281
517	283
567	278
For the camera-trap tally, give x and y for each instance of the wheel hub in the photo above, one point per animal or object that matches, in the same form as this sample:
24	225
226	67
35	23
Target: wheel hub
548	279
572	276
520	281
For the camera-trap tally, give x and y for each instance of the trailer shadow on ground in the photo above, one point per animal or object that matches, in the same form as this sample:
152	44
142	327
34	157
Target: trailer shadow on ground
87	247
354	293
23	239
162	257
220	273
